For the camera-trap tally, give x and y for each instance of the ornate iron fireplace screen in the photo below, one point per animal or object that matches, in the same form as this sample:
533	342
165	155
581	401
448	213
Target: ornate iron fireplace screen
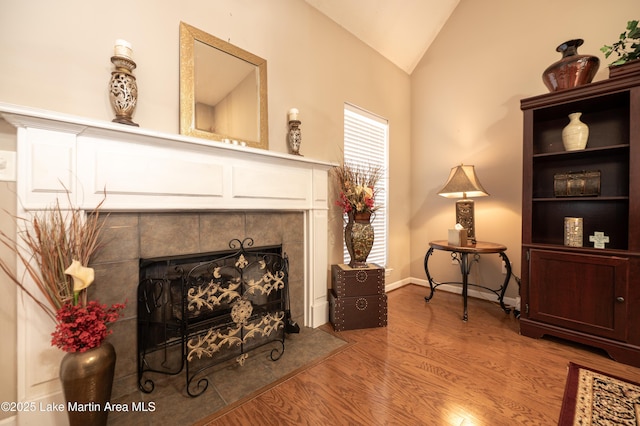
195	312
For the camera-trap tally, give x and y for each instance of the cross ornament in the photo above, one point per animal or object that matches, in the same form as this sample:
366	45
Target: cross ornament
598	239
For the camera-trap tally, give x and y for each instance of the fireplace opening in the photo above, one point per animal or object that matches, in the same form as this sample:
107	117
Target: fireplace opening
197	311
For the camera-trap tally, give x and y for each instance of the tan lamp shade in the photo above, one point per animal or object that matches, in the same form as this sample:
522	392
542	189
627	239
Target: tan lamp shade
463	183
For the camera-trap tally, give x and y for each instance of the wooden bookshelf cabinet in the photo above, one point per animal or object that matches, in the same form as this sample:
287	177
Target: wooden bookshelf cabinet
583	294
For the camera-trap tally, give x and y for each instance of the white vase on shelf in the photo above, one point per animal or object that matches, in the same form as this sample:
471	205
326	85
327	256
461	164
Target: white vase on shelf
575	134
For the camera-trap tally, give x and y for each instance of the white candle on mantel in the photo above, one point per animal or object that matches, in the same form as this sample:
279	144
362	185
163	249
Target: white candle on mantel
293	114
123	48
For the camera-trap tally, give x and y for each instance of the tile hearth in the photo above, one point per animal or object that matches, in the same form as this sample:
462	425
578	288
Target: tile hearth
228	383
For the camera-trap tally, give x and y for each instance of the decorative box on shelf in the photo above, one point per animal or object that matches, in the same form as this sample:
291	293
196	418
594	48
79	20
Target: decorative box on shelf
357	298
577	184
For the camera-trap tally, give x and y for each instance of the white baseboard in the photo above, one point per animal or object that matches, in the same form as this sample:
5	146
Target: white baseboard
398	284
509	301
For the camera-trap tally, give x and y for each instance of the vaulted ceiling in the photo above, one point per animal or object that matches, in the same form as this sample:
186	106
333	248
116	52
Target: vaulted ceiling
400	30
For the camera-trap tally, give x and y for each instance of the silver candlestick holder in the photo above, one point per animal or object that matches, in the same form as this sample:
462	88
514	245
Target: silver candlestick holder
295	136
123	90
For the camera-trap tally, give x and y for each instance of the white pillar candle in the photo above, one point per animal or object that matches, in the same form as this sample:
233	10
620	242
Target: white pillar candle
123	48
293	114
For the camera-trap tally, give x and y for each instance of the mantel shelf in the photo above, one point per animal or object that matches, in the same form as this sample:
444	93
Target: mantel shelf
141	169
21	116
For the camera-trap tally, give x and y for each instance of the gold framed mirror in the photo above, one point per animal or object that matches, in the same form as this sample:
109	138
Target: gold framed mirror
223	90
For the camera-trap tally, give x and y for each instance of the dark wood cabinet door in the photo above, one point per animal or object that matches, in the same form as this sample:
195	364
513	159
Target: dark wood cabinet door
587	293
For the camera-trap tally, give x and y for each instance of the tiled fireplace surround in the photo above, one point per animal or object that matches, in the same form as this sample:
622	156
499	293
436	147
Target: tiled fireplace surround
166	195
131	236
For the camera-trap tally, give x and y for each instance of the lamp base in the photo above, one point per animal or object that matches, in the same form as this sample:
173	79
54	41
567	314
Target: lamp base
465	216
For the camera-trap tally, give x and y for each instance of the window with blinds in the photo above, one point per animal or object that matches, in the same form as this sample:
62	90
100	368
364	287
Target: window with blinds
366	137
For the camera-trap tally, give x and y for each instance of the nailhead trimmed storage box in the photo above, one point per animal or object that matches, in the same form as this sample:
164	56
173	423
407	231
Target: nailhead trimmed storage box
348	282
357	298
351	313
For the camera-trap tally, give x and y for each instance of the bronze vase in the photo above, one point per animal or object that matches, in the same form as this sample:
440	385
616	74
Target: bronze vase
358	237
572	70
87	379
123	90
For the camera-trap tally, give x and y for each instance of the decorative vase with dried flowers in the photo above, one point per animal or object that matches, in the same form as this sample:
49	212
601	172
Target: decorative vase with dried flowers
56	244
357	188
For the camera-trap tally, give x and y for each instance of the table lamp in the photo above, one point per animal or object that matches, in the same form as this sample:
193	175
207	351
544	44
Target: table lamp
463	183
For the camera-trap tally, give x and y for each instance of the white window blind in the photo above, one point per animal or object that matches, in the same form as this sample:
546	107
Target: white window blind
366	143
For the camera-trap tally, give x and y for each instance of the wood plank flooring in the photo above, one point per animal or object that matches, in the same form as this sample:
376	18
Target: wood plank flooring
428	367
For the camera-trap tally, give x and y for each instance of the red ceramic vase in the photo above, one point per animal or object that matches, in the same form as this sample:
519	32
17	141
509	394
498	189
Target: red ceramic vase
572	70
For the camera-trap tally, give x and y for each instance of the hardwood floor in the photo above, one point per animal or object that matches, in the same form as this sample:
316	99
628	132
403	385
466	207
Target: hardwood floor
428	368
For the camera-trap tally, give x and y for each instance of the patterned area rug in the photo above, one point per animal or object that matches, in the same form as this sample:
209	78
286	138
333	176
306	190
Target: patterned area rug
595	398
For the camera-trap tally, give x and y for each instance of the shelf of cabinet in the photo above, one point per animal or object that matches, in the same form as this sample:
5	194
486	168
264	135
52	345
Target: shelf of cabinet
580	199
607	251
587	152
547	225
588	93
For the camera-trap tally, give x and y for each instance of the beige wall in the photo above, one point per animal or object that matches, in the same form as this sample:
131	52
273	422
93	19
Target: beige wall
465	108
56	56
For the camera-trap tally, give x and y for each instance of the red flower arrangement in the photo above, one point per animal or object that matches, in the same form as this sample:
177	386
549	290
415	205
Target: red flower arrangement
363	203
357	187
57	238
80	328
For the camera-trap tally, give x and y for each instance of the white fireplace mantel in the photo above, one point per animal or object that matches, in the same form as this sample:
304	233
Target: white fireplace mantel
144	170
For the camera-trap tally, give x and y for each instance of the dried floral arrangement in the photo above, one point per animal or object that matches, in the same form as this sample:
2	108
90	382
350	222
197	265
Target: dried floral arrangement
54	248
357	186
